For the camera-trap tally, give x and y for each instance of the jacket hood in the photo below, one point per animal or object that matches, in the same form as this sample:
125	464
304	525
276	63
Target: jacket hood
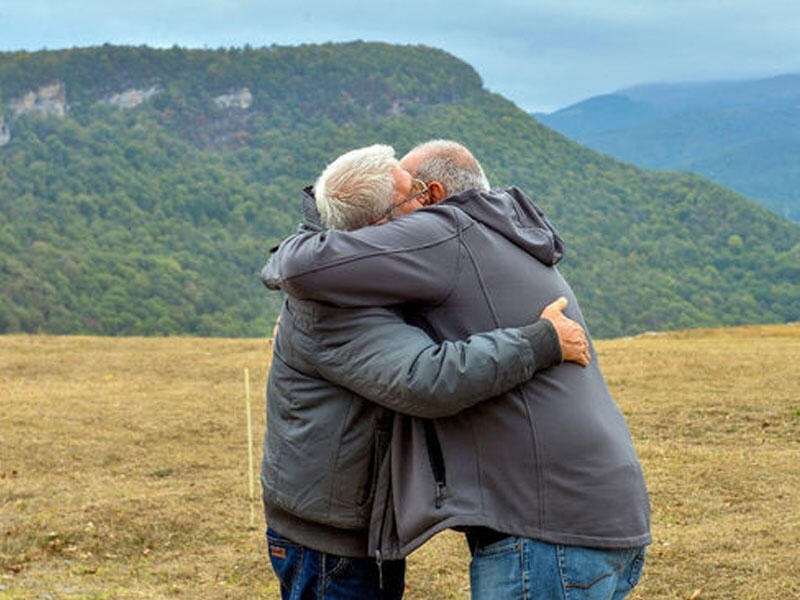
311	219
527	226
311	222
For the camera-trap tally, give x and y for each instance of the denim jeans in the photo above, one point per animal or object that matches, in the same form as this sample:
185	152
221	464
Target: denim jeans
523	569
307	574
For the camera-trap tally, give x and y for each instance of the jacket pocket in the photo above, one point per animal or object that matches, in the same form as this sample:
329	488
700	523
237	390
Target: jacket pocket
436	459
379	447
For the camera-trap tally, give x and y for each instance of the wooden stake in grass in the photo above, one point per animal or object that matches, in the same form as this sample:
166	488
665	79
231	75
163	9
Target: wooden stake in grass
250	448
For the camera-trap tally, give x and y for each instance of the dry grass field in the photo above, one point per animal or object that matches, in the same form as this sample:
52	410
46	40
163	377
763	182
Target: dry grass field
124	467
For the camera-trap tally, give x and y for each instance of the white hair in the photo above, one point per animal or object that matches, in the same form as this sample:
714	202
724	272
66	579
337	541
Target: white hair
356	188
452	165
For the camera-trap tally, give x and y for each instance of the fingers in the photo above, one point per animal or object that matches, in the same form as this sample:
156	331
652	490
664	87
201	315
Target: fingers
580	352
584	357
571	335
554	309
573	340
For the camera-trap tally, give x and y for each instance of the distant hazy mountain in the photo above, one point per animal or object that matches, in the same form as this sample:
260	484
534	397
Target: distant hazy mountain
744	135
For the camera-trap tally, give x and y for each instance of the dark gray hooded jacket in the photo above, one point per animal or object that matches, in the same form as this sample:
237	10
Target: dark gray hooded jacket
325	439
552	459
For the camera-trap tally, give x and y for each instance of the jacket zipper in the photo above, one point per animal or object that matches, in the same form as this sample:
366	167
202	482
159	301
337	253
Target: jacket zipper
378	554
381	529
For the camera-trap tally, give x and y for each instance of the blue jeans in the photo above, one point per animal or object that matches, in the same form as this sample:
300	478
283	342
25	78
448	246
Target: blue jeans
517	568
307	574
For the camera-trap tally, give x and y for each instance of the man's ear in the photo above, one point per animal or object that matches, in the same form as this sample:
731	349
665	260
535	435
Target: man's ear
436	192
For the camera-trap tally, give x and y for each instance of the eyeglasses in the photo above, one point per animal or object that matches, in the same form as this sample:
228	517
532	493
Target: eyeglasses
418	188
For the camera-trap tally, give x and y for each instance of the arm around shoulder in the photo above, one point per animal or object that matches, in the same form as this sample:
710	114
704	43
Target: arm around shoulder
400	367
401	261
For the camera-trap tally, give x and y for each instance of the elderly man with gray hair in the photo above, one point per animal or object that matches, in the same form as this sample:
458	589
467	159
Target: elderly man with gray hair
544	481
337	377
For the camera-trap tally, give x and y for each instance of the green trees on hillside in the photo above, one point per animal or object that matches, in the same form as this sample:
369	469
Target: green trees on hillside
129	231
156	220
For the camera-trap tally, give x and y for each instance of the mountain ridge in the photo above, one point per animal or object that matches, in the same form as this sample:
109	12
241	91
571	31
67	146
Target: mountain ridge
701	127
155	219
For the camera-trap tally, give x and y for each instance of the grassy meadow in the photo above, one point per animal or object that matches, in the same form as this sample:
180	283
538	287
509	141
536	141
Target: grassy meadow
124	467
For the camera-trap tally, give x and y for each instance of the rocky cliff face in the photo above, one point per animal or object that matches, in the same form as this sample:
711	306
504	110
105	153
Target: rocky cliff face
48	101
130	98
242	99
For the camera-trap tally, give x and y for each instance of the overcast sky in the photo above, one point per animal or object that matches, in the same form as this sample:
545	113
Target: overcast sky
541	54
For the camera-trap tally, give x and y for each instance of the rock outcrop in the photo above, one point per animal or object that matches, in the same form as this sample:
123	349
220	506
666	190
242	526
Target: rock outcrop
48	101
242	99
130	98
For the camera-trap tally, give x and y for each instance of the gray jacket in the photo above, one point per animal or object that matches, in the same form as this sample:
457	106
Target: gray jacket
336	377
552	459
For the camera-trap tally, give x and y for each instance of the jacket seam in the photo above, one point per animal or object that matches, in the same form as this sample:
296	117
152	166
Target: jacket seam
482	283
461	249
457	235
364	256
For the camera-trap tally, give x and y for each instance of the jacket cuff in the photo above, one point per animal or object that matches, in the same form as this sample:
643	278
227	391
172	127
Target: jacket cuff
543	339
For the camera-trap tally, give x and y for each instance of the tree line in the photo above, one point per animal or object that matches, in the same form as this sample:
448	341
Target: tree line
156	220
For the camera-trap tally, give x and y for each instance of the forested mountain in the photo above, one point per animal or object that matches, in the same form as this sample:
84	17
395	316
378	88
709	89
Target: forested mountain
141	190
744	135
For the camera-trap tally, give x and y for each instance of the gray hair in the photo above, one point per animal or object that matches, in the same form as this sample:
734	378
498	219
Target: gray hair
356	188
452	165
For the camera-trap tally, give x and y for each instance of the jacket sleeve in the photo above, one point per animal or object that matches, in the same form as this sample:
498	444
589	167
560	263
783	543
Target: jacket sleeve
410	259
400	367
